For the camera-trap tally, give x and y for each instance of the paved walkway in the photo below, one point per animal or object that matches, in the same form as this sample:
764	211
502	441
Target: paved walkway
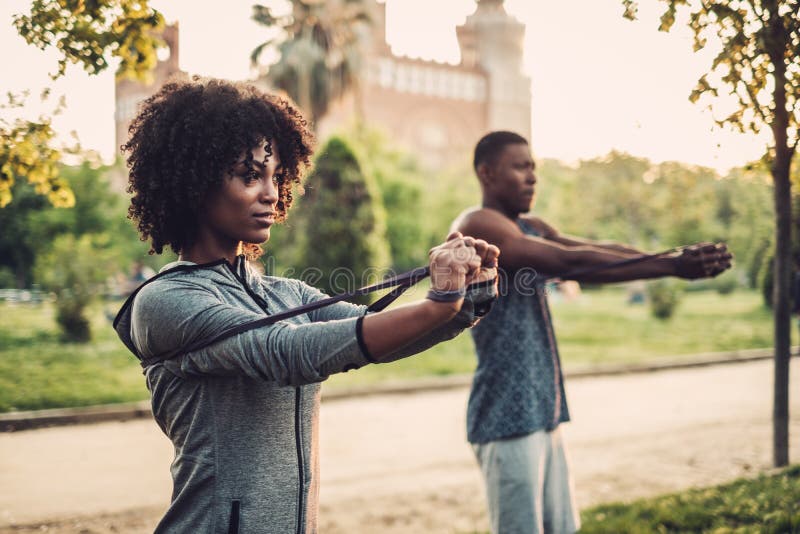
399	463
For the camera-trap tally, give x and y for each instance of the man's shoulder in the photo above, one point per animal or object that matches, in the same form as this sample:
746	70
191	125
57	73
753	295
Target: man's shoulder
463	218
477	221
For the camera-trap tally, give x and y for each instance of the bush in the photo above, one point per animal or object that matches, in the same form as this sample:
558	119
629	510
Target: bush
343	223
664	296
75	270
726	284
7	278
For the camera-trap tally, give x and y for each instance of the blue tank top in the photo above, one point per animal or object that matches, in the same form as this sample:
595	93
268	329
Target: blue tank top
518	387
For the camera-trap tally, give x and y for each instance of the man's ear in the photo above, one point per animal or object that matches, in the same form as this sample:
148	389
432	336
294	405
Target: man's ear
484	173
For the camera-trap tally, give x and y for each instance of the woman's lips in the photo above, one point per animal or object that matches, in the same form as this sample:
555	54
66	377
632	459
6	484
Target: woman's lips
265	218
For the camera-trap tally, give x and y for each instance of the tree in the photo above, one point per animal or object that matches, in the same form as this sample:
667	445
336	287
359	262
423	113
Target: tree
85	33
344	241
75	270
397	175
320	51
31	225
759	64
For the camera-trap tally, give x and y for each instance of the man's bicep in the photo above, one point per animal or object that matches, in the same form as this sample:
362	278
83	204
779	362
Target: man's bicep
533	252
517	250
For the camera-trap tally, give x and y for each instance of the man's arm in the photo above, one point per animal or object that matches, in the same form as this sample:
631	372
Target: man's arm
552	234
520	251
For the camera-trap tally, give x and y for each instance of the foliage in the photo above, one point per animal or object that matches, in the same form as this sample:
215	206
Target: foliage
344	238
664	295
86	33
746	216
320	50
30	225
759	41
7	278
725	284
419	203
75	270
655	207
37	371
766	504
26	151
759	65
397	175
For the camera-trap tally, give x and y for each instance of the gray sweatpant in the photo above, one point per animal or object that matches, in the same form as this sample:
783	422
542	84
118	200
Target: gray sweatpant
528	486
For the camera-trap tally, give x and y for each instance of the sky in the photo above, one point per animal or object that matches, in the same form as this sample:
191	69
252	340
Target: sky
599	81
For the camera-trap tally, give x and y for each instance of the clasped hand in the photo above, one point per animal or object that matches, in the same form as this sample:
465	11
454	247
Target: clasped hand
703	260
461	261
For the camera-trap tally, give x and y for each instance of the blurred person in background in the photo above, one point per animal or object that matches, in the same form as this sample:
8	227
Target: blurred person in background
517	400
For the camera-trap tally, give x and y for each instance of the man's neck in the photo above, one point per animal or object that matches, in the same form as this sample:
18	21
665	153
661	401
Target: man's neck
489	204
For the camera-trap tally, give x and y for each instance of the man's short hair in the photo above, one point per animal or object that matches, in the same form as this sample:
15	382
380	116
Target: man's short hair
491	144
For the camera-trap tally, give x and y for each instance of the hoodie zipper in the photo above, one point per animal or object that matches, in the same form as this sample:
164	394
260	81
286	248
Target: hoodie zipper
298	427
298	441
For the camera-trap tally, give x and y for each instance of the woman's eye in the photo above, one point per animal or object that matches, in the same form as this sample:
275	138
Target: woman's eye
251	176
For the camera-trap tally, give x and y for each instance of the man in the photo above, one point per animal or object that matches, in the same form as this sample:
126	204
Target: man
517	399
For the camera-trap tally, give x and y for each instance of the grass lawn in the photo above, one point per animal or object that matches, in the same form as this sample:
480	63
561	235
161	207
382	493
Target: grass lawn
37	371
769	504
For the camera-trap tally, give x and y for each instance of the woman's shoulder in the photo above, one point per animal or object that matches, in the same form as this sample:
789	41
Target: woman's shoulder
297	288
167	287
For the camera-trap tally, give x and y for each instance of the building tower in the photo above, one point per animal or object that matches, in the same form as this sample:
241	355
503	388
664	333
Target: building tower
492	39
130	93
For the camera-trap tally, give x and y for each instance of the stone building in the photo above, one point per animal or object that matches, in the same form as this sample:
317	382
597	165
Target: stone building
440	110
437	110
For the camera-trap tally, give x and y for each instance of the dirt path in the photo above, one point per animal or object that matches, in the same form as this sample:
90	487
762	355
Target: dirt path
399	464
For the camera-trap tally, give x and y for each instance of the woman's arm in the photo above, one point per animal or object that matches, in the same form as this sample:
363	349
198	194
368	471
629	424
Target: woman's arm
454	265
172	315
476	304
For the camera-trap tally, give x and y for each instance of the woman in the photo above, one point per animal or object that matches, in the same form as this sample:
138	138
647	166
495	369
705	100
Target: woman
212	165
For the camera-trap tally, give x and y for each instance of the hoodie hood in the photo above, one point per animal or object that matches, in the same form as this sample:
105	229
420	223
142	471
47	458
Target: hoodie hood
220	271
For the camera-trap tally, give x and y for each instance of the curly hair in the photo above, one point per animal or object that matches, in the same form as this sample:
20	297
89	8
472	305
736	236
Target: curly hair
188	136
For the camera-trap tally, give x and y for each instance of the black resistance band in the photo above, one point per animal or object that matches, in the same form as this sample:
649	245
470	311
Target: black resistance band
400	283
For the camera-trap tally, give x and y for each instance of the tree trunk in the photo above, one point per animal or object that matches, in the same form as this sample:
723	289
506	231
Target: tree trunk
776	42
782	312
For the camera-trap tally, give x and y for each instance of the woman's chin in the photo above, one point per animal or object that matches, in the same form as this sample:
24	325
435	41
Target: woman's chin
259	238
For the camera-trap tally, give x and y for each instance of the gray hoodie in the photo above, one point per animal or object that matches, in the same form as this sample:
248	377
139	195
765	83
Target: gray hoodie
242	413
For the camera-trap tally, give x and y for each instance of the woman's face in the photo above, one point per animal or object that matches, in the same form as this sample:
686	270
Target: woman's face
243	208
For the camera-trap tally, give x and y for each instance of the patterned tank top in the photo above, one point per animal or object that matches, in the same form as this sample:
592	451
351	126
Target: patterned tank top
518	387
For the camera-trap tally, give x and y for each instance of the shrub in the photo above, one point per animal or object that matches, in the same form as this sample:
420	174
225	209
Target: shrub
75	270
664	296
7	278
344	223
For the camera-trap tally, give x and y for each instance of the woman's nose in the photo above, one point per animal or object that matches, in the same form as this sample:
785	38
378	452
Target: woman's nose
269	190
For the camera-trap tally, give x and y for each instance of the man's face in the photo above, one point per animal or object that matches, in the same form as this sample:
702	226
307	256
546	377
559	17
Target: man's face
510	181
